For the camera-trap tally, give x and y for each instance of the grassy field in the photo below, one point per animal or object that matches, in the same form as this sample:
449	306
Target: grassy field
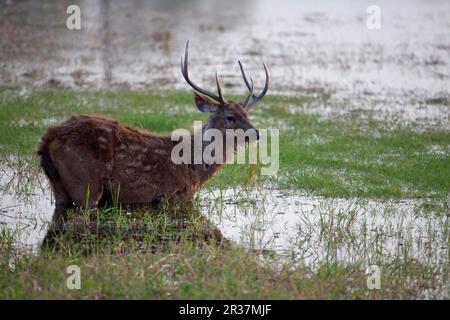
346	157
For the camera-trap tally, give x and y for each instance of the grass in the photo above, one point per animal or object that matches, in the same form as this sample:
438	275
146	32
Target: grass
150	256
117	266
189	273
335	158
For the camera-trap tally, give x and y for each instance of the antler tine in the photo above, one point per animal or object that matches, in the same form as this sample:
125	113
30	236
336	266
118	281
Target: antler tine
244	76
249	95
255	99
266	85
249	87
219	90
184	71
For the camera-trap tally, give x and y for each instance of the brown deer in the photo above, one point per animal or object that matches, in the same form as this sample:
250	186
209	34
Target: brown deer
98	154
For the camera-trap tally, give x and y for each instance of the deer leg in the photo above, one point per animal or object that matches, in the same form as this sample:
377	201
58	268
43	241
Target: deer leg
60	215
62	204
158	201
87	198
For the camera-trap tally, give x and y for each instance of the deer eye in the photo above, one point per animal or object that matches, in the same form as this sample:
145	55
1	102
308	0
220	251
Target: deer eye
231	119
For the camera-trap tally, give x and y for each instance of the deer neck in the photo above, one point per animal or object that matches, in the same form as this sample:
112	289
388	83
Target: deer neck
204	171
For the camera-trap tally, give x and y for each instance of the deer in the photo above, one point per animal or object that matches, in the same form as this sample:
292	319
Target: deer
105	157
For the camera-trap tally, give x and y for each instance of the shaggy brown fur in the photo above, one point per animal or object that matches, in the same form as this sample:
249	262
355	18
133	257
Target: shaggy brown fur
90	158
87	159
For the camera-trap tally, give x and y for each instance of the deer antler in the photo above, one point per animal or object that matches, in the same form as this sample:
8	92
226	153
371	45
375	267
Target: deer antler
184	70
250	100
249	95
255	99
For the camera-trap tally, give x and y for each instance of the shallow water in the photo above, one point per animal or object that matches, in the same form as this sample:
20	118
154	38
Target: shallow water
311	47
317	229
26	207
308	228
400	74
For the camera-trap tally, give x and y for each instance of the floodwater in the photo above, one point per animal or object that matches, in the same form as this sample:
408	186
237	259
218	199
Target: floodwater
309	228
311	47
317	229
400	73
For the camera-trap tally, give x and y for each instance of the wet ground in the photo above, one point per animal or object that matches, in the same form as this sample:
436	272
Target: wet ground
312	47
311	229
318	229
399	74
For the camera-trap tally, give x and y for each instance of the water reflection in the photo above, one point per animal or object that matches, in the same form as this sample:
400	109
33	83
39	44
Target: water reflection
312	229
317	229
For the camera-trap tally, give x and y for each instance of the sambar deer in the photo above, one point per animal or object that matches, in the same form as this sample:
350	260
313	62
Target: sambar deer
98	154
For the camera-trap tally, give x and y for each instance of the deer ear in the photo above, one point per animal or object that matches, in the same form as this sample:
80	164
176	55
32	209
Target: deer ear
203	104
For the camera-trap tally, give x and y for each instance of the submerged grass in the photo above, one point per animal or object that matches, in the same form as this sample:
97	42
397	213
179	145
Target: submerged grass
129	264
124	256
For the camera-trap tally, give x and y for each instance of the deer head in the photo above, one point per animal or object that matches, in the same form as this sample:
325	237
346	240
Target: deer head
225	114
